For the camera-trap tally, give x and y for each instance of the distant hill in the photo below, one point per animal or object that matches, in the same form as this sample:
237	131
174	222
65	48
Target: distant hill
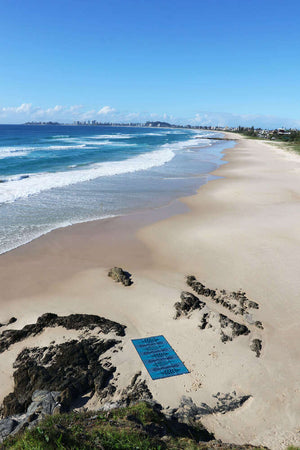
42	123
159	124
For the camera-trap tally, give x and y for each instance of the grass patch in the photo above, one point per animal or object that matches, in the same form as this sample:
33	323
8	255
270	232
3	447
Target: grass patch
138	427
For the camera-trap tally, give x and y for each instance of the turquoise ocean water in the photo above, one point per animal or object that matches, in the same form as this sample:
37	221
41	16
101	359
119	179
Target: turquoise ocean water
54	176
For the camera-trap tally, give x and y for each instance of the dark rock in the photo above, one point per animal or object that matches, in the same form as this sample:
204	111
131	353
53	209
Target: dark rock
198	287
120	276
258	324
204	321
225	337
189	302
71	322
226	299
237	329
253	305
7	426
44	403
72	368
256	346
11	320
136	391
229	402
189	412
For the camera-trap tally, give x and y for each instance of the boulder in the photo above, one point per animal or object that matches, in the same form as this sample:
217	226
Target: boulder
120	276
7	426
189	302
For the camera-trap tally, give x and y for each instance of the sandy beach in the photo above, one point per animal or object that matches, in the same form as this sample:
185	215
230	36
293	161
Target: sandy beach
239	231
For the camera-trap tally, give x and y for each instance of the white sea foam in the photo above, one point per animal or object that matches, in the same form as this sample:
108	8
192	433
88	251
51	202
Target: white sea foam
92	142
36	183
11	152
112	136
14	189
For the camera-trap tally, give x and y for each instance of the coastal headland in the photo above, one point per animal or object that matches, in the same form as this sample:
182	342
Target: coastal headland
234	321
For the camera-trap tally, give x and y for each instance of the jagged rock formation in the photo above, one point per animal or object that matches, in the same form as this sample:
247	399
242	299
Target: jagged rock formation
136	391
237	302
188	411
256	346
120	276
189	303
227	328
73	368
71	322
229	402
43	403
231	329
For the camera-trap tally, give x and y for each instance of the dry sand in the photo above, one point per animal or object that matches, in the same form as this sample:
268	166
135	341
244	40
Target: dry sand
240	231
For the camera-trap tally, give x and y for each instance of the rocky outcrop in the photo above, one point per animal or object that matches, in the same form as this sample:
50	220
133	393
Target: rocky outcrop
228	329
120	276
143	423
136	391
188	411
43	403
229	402
7	426
237	302
256	346
231	329
72	368
11	320
71	322
189	303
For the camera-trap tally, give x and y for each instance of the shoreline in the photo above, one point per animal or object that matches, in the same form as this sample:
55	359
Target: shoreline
131	222
239	231
23	233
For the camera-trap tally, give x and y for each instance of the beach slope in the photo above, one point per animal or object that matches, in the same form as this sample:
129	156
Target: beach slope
239	235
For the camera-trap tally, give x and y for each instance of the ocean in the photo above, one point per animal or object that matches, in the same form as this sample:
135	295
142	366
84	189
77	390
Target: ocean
55	176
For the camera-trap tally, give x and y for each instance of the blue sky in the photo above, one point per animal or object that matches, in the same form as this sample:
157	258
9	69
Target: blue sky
226	61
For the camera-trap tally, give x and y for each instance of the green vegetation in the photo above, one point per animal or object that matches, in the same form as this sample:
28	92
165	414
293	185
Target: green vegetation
136	427
289	137
248	131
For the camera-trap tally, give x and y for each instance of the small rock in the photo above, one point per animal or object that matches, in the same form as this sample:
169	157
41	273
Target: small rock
256	346
120	276
258	324
189	302
11	320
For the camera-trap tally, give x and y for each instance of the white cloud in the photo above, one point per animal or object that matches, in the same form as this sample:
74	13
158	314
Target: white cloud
229	119
106	110
75	108
24	108
67	114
